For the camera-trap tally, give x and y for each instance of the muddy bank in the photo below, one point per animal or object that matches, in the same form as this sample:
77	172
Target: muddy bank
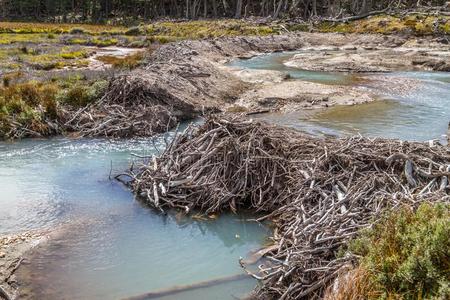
12	250
368	59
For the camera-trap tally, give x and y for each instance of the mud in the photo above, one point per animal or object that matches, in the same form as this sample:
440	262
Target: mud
12	250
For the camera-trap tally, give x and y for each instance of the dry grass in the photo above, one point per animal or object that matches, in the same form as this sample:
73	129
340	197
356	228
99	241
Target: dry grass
127	62
24	27
353	284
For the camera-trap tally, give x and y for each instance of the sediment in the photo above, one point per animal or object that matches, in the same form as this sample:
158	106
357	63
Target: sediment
319	192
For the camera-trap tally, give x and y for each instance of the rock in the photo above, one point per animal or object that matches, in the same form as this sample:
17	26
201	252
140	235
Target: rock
269	102
2	254
349	48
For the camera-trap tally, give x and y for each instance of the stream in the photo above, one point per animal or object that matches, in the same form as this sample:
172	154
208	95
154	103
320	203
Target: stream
107	245
420	112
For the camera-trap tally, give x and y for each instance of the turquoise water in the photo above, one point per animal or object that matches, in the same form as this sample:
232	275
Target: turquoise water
418	111
274	61
106	245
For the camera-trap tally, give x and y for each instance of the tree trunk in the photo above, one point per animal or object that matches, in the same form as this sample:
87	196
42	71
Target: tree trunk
238	13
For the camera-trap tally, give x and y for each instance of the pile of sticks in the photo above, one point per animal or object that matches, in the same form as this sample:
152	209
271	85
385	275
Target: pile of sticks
319	192
132	106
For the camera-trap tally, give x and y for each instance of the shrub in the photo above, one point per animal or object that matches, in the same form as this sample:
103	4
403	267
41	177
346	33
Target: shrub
77	30
81	95
10	78
134	31
407	254
29	93
76	96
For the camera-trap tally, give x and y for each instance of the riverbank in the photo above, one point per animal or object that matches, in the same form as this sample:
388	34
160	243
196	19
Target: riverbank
204	80
13	247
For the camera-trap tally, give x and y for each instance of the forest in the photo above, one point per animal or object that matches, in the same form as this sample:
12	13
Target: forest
129	11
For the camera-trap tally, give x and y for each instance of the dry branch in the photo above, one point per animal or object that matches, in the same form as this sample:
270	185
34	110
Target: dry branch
133	106
319	192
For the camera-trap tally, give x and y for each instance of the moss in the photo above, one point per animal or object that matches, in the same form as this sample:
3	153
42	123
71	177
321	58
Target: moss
77	41
104	42
407	254
27	28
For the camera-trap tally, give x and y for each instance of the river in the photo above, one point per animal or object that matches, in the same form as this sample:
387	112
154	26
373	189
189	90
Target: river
110	246
417	108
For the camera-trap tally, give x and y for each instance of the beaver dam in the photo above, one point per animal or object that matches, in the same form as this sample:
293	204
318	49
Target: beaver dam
319	192
184	181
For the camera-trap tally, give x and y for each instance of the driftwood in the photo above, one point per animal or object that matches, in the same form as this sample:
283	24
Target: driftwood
185	288
3	294
318	192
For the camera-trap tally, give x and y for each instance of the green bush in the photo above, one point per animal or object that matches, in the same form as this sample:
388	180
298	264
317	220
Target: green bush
407	254
81	95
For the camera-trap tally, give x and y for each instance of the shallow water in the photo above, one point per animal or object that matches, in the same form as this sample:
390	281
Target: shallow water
106	244
417	107
274	61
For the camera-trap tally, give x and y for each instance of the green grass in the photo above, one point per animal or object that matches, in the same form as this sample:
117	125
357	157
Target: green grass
407	254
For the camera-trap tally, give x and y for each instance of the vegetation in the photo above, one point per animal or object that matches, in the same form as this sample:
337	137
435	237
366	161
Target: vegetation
127	62
404	256
134	11
33	105
386	24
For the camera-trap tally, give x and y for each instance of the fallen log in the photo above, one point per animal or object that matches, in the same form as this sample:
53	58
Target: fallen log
185	288
4	295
